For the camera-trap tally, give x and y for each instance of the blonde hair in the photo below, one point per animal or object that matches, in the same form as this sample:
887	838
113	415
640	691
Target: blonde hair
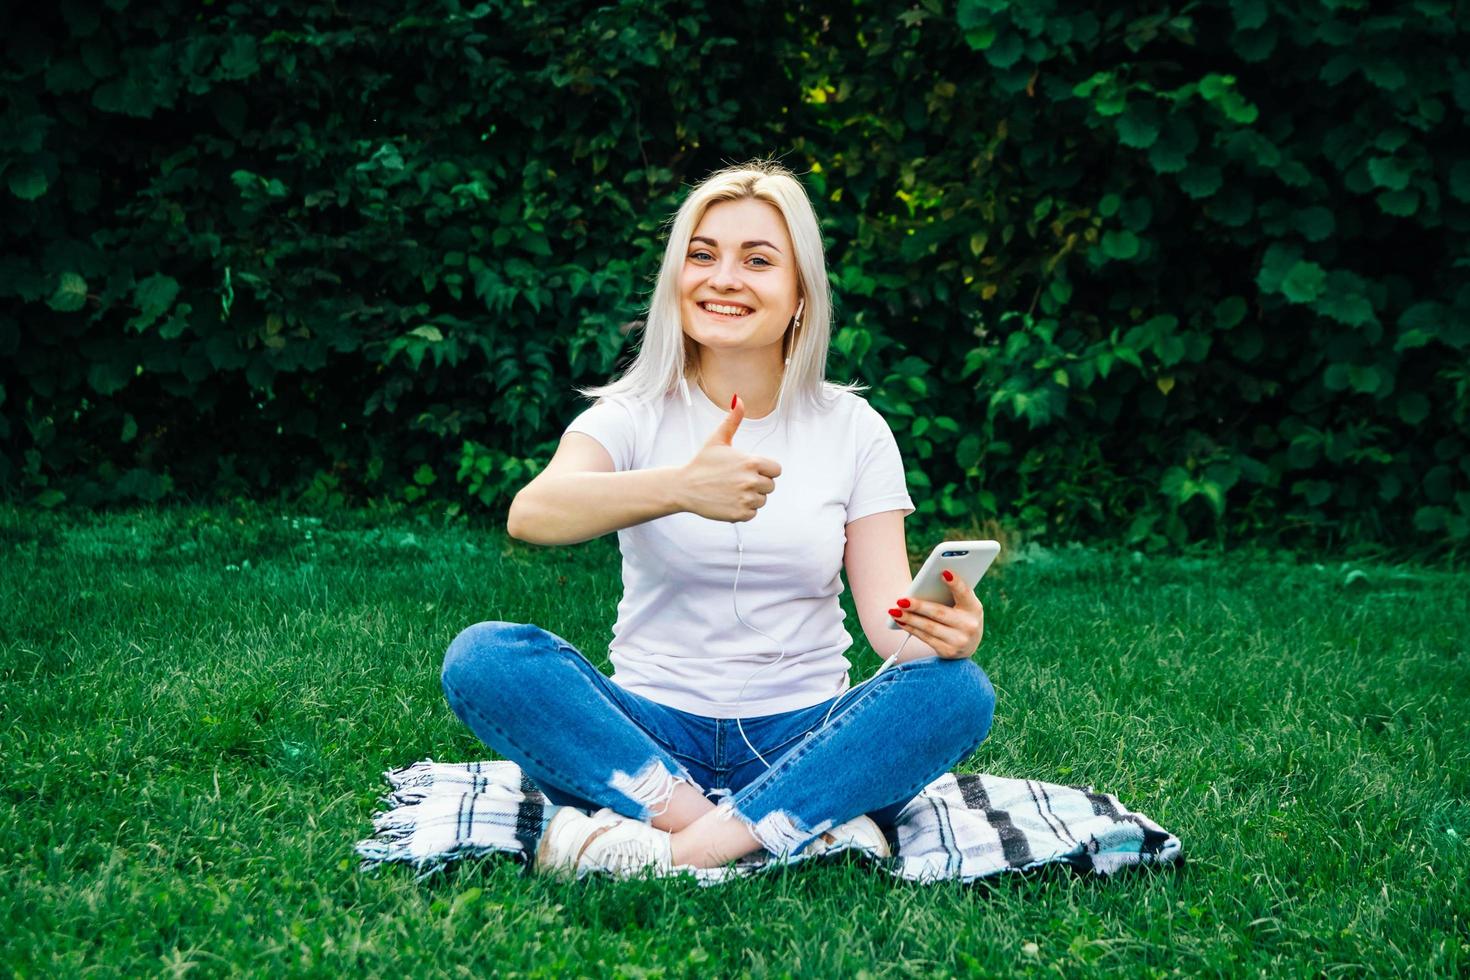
665	353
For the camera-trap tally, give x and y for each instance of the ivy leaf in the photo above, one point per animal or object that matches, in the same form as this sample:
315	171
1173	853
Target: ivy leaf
110	376
1178	139
1390	172
1391	138
70	295
1248	13
1316	492
67	75
1337	68
1119	244
1218	89
1229	312
1214	85
1384	73
1315	223
1224	474
1084	89
241	60
1365	378
967	453
1352	309
50	498
1137	212
1400	204
1420	324
1006	50
980	38
1275	264
1111	101
1138	127
1238	110
1255	45
153	297
1201	179
128	95
1293	172
1345	299
1431	519
972	13
1304	282
1460	180
28	182
1247	145
1233	207
1413	407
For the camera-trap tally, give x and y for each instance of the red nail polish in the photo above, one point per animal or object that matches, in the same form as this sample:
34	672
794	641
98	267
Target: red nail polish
732	399
948	577
904	603
895	613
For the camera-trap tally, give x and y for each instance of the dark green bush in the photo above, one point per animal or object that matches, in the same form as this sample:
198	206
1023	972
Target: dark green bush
1157	272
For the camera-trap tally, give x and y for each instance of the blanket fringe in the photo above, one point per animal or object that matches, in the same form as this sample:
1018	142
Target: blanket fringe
409	795
418	774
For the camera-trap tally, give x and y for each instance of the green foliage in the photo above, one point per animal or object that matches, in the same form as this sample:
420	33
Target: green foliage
1169	275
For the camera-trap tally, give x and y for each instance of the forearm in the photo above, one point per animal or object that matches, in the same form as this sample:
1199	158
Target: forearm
577	507
915	649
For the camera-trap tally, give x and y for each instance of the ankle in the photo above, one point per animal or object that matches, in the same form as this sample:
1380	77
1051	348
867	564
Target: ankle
686	853
712	842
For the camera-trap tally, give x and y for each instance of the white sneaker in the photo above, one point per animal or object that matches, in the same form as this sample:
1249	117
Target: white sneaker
859	834
624	847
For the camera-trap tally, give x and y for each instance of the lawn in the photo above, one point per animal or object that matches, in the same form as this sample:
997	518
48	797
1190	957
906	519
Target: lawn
197	705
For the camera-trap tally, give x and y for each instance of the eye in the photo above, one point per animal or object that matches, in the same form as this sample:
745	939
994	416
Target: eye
695	255
758	258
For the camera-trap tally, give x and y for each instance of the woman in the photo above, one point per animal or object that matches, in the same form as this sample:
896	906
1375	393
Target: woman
693	712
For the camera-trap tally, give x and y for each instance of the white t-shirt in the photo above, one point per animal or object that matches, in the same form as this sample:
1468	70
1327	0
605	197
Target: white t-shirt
677	639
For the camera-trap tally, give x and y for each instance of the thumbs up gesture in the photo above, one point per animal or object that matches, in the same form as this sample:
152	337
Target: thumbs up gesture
722	483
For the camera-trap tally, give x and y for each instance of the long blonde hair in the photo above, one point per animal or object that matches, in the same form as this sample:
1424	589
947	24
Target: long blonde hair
665	354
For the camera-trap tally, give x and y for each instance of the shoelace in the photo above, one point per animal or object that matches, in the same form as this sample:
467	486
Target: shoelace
624	855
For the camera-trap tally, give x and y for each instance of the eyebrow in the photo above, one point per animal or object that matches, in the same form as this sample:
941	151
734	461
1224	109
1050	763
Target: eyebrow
711	241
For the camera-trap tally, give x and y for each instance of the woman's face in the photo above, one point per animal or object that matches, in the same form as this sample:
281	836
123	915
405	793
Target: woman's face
740	258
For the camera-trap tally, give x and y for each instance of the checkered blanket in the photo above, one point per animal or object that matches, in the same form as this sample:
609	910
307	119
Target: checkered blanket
961	827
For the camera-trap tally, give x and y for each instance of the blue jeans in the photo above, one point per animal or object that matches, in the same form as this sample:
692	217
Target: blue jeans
532	697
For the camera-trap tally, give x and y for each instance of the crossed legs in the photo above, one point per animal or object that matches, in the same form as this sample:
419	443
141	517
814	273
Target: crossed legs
534	699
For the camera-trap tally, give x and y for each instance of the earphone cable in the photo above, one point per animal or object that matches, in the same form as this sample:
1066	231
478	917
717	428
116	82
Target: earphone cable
735	587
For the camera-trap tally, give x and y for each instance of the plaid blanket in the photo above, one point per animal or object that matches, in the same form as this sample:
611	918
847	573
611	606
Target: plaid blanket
961	827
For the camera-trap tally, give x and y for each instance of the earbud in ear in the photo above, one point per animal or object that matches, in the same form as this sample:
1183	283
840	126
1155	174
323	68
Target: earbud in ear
800	306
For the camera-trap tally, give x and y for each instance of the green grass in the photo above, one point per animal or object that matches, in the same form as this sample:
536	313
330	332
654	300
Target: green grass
196	707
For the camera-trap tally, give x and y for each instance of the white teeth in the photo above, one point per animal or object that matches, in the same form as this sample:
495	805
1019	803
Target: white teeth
731	310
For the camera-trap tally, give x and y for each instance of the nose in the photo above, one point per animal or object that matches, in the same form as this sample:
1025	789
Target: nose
724	276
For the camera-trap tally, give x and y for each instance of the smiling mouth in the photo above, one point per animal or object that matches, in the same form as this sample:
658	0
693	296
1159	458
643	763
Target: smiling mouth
721	310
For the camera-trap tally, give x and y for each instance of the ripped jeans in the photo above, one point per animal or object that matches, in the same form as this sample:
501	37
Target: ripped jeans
532	697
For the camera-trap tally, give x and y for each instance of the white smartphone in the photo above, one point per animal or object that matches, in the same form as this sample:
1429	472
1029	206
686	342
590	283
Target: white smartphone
967	559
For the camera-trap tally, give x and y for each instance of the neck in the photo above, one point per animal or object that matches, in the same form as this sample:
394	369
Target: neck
756	377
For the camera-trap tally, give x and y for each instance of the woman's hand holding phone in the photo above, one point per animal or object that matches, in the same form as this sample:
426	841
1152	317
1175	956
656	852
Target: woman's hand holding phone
941	607
954	632
723	484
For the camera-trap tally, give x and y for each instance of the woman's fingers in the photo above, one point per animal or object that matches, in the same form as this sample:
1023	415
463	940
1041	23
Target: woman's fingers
945	640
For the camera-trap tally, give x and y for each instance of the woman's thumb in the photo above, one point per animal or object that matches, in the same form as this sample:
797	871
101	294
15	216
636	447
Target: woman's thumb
726	429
